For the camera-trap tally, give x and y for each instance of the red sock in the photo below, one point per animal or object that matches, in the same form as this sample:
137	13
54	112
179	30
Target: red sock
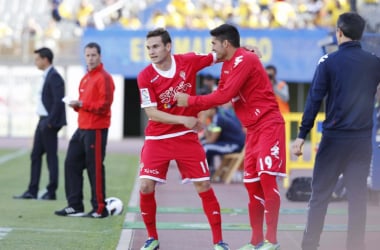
212	210
148	210
272	205
256	211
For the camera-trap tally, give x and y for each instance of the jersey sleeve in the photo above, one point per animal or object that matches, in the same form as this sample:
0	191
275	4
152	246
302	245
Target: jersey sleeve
200	61
147	96
317	92
229	86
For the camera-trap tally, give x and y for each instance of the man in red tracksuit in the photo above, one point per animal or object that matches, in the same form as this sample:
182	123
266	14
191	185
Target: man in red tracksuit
87	146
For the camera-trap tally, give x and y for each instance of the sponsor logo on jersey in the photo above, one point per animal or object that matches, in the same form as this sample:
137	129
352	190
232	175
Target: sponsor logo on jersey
151	171
275	150
167	97
154	78
323	58
238	60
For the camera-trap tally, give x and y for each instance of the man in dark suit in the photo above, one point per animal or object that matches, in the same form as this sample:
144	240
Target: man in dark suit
51	111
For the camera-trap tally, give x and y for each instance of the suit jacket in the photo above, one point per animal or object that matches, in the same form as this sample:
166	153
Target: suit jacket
52	93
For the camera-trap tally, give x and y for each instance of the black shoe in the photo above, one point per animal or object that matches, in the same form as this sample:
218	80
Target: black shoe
48	196
26	196
70	211
94	214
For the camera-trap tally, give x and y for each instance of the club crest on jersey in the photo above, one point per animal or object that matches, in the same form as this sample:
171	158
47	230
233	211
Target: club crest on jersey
238	60
182	74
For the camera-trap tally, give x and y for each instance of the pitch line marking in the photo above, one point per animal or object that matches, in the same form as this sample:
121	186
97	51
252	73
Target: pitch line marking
11	156
232	211
4	231
240	226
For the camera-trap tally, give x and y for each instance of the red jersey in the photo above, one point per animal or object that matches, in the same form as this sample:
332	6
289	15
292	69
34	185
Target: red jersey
157	89
96	93
244	82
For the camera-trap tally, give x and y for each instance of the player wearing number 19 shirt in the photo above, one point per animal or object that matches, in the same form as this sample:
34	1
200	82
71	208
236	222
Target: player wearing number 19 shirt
244	81
170	133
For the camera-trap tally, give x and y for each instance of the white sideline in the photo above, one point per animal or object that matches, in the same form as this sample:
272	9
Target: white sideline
126	236
11	156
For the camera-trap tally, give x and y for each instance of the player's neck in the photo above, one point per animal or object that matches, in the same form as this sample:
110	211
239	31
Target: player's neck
230	53
165	65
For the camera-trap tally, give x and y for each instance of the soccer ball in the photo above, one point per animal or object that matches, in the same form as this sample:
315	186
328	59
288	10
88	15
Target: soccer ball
114	206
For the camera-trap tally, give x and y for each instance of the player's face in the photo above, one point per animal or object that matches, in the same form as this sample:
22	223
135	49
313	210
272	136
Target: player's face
157	51
218	47
92	57
40	62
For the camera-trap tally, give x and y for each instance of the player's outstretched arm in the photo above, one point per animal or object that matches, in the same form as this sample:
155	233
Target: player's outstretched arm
182	99
253	49
159	116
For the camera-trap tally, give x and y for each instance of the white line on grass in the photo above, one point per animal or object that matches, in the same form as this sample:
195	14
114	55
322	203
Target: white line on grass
11	156
126	237
4	231
57	230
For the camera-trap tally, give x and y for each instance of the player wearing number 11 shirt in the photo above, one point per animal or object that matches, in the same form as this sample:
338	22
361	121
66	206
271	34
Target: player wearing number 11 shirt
171	133
244	81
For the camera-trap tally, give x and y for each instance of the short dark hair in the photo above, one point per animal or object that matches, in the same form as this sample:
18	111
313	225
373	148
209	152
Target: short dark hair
271	67
352	25
227	32
163	33
94	45
45	53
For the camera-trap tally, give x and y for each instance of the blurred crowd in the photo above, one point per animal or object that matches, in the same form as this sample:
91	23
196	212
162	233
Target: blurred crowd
206	14
187	14
63	19
291	14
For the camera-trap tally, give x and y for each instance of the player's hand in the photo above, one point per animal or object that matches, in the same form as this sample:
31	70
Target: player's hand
75	104
296	147
182	99
191	122
199	127
253	49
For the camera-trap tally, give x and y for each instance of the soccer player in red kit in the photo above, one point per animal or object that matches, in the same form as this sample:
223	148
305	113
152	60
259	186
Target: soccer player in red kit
171	132
244	82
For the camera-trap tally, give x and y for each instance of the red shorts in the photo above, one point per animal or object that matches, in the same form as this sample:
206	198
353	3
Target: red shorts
185	150
265	152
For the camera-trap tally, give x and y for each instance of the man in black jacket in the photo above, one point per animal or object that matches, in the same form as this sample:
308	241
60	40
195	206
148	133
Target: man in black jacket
51	111
348	78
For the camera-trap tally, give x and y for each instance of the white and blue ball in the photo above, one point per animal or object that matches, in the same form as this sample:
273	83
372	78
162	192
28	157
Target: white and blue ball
114	206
